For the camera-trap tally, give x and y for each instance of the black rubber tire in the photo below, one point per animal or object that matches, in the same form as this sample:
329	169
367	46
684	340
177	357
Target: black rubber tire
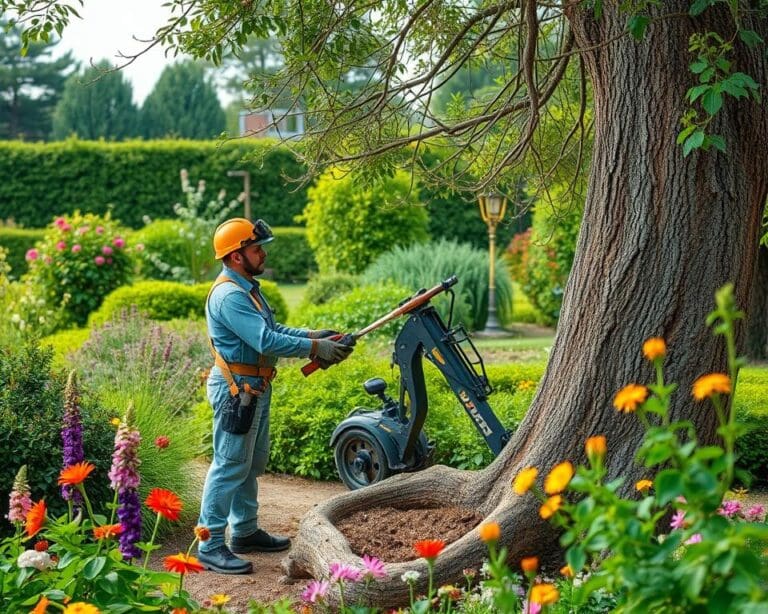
356	443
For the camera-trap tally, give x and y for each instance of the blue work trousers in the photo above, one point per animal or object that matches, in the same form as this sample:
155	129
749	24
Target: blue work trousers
231	486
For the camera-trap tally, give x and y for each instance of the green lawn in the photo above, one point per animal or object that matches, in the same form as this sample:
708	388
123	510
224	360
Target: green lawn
292	293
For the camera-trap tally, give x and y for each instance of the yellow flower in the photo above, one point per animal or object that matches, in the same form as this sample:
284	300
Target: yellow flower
643	485
630	397
654	348
558	478
489	532
714	383
220	599
81	608
524	480
596	447
529	564
550	506
115	422
544	594
567	571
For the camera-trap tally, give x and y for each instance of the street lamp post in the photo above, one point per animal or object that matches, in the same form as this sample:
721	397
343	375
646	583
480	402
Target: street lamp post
246	175
492	209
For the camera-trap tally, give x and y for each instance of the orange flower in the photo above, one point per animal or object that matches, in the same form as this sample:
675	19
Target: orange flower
524	480
629	398
75	474
106	531
35	518
489	532
529	564
41	606
203	534
81	608
643	485
567	571
654	348
165	503
558	478
596	447
182	563
550	506
179	611
714	383
429	548
544	594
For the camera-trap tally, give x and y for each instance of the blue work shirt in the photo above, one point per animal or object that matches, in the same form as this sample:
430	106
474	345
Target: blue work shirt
242	333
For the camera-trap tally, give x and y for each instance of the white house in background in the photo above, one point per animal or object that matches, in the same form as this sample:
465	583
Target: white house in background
275	123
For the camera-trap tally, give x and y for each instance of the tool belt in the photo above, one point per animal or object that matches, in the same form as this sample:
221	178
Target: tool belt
239	368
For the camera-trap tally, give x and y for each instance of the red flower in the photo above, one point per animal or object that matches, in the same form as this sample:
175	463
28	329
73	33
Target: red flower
182	563
165	503
429	548
35	518
162	442
41	546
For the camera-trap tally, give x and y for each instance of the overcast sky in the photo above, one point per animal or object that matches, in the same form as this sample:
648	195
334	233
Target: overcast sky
108	27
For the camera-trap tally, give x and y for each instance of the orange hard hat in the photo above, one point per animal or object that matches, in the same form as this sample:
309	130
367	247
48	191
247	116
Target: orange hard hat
239	232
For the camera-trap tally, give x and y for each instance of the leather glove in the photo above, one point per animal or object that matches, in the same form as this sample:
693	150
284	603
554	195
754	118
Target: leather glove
323	334
330	351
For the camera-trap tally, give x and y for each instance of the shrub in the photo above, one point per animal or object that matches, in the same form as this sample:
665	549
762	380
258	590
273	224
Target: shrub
289	257
64	342
355	310
751	408
134	179
348	226
161	246
425	265
325	287
31	409
80	260
18	241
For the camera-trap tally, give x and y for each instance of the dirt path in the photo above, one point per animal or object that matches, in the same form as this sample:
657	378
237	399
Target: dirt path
283	500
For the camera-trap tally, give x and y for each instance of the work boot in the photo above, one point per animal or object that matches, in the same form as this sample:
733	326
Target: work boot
221	560
260	541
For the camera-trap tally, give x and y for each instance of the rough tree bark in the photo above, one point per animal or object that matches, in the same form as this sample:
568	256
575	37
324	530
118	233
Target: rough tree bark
660	234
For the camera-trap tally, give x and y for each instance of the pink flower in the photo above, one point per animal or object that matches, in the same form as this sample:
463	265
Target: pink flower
109	260
83	229
47	260
139	247
693	539
99	230
60	221
341	571
678	520
729	508
315	591
65	227
162	442
374	568
118	242
76	248
531	608
99	260
106	250
61	245
756	513
32	254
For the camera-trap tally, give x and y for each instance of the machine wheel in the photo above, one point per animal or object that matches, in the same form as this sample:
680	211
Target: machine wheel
360	459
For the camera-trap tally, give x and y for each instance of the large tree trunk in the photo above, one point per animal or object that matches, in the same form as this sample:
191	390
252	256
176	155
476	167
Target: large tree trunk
660	234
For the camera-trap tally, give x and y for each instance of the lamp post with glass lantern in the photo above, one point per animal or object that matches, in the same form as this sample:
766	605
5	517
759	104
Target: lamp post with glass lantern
492	208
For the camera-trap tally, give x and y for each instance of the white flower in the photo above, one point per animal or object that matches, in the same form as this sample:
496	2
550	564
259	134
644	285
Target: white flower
32	558
410	576
41	319
15	318
485	570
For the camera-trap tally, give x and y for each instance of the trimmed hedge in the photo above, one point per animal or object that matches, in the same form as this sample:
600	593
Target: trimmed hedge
168	300
17	241
289	257
138	178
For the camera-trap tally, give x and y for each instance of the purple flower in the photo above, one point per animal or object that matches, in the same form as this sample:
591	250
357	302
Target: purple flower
678	520
99	260
374	568
756	513
129	515
19	501
71	434
76	248
693	539
342	571
124	473
32	254
315	591
729	508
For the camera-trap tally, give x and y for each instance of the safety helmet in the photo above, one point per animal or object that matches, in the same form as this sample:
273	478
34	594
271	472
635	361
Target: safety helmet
239	232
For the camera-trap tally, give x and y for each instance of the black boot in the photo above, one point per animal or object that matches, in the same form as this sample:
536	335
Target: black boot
260	541
221	560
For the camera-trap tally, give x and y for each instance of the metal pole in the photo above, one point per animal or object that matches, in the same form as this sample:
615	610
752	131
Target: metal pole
247	187
492	324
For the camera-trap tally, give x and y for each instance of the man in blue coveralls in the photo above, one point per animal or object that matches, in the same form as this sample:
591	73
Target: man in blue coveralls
246	343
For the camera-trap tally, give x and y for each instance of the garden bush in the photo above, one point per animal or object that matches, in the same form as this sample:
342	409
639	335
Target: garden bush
355	310
31	410
18	241
160	247
752	411
324	287
80	260
425	265
349	225
289	257
133	179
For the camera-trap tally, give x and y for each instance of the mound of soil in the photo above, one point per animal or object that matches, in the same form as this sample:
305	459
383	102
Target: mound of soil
389	533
